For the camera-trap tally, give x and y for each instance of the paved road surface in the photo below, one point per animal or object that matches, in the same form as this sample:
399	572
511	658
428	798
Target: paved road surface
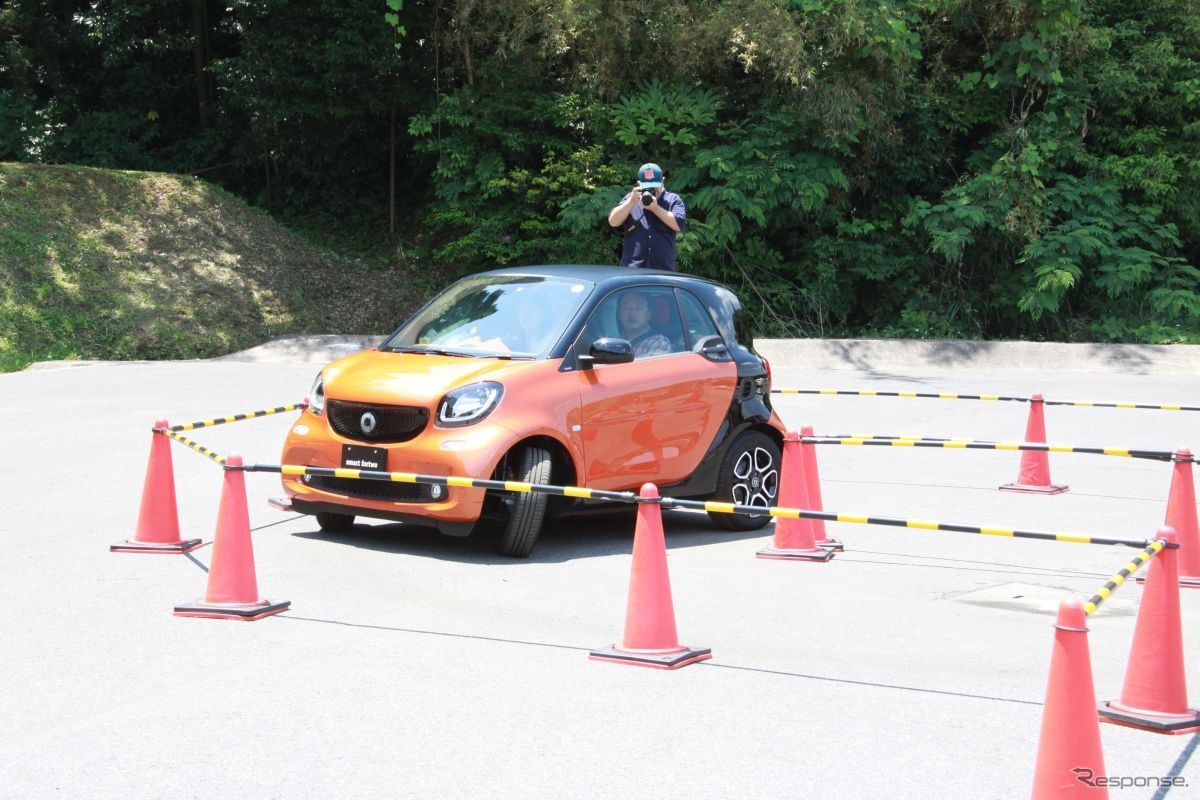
411	665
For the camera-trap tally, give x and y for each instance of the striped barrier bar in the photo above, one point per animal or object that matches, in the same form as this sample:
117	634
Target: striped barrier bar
874	393
443	480
970	444
957	396
208	423
1123	575
919	524
907	437
204	451
1145	406
672	502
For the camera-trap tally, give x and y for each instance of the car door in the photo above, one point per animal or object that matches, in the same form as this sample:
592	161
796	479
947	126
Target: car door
654	418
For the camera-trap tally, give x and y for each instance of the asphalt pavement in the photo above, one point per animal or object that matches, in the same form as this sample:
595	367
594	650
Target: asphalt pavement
913	665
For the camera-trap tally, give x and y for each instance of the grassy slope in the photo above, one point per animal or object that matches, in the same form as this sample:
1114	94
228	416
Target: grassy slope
134	265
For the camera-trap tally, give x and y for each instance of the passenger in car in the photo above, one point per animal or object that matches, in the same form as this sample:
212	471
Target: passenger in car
633	315
534	323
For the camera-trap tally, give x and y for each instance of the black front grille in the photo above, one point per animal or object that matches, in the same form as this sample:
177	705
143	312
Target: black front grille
392	423
390	491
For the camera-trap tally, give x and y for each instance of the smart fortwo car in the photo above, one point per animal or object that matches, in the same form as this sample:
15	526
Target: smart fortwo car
604	377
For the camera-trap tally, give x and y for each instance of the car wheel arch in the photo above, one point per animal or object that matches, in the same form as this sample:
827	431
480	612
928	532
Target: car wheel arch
565	468
752	464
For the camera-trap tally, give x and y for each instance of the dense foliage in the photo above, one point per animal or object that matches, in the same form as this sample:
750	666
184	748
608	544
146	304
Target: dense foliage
923	168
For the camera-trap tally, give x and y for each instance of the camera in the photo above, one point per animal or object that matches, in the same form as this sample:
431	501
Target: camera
647	197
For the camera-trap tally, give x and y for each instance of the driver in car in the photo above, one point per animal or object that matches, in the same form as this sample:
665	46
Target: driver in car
633	315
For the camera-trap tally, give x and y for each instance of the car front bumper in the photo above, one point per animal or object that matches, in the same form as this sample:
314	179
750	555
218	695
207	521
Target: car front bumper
471	451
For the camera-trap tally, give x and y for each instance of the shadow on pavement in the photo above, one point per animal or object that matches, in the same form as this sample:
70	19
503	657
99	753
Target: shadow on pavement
567	539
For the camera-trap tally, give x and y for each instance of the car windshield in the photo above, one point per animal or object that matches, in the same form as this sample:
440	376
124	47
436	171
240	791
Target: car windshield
514	316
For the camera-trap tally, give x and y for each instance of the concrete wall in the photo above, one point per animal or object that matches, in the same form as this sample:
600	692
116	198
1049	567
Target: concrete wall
865	354
874	354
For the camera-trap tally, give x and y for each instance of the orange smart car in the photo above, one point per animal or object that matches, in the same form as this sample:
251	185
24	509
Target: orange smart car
605	377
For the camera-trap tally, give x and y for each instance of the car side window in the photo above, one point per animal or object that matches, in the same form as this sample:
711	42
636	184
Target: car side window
699	324
648	317
665	320
603	321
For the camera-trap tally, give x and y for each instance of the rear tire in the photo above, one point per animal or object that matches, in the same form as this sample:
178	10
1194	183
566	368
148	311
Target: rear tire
528	509
749	476
334	522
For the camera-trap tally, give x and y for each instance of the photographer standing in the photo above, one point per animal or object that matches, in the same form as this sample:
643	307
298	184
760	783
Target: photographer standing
649	217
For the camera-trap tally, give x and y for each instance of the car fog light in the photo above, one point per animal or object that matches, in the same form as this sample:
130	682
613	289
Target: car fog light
435	491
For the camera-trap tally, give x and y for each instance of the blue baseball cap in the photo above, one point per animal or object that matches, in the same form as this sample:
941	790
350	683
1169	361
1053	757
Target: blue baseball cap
650	176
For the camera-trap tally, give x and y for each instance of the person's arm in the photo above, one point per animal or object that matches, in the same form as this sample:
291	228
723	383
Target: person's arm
621	211
674	217
655	345
679	212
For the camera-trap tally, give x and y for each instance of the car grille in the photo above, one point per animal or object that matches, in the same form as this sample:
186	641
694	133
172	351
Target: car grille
392	423
390	491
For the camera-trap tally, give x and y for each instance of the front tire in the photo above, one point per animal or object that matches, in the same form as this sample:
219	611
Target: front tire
528	509
334	522
749	476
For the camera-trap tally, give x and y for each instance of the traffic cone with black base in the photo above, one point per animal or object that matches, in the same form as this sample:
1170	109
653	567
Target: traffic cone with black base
812	477
1034	477
650	639
795	539
1181	515
1154	695
232	587
158	520
1070	758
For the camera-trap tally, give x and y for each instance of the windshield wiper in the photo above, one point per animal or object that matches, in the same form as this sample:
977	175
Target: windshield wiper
432	351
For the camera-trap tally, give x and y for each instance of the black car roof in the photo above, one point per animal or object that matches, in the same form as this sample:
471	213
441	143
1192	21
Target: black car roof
600	274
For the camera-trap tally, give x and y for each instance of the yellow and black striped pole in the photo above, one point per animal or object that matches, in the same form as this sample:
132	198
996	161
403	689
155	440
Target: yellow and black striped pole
918	524
671	502
444	480
1144	406
1105	591
208	423
874	393
204	451
972	444
994	397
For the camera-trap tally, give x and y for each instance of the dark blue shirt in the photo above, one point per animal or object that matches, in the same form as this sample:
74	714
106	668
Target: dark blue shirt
648	241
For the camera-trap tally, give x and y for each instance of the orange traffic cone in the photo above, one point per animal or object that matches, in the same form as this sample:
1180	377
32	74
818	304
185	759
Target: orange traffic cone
232	588
650	639
813	480
1070	761
1181	515
795	539
1154	695
1034	476
158	520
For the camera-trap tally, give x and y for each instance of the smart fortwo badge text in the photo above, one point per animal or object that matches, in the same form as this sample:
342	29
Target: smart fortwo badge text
356	456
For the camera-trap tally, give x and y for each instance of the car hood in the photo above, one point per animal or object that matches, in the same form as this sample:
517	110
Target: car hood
410	378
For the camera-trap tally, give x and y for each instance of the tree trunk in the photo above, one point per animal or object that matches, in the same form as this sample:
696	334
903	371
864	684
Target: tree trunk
392	172
204	86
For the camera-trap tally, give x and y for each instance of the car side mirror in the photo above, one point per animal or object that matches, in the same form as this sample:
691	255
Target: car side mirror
607	350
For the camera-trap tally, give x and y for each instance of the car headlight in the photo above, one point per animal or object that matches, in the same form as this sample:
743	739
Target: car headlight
468	404
316	395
